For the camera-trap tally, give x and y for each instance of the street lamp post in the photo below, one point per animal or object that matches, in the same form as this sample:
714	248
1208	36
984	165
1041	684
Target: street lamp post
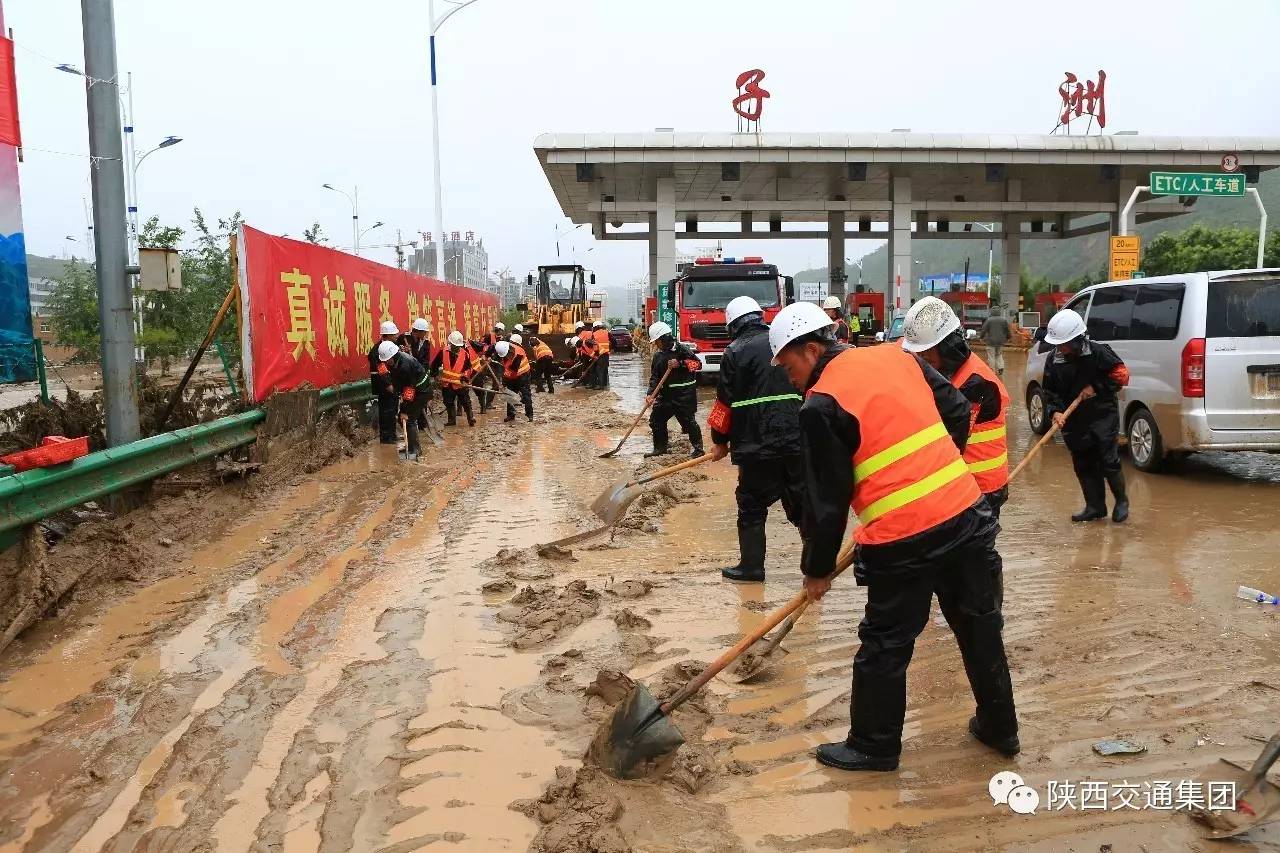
991	243
561	232
355	215
435	117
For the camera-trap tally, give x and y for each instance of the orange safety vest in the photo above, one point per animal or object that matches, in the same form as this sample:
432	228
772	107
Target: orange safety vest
587	346
454	368
908	475
541	351
602	340
507	373
987	453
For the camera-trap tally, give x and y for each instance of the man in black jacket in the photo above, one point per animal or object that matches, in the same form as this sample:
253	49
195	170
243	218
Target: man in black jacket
381	387
757	418
1081	367
678	396
883	432
408	381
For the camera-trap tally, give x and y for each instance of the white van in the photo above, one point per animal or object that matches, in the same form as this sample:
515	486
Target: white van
1203	352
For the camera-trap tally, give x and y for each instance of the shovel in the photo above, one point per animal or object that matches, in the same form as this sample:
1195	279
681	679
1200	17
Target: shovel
1045	439
1257	800
586	371
613	503
633	741
647	403
768	651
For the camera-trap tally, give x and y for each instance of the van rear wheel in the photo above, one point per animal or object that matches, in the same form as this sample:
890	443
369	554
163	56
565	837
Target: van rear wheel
1146	448
1036	416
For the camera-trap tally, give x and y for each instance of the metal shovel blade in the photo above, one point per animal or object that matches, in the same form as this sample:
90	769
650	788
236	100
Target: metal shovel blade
755	661
636	739
611	505
1255	807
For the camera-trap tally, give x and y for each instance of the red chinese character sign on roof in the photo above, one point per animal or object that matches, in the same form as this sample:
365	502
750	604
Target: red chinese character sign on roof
1080	99
750	101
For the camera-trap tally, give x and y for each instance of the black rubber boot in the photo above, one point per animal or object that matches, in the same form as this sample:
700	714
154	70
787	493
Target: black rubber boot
657	451
1121	510
751	547
844	757
1007	745
1095	499
697	452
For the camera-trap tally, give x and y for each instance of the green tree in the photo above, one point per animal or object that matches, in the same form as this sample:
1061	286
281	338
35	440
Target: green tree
161	310
1199	249
73	310
613	321
314	234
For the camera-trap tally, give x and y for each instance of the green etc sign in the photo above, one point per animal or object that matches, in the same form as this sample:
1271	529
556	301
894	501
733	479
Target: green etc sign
1197	183
666	304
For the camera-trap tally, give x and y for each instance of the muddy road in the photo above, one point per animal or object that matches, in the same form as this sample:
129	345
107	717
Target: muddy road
376	656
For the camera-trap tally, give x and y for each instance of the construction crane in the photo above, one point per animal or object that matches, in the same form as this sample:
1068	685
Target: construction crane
399	245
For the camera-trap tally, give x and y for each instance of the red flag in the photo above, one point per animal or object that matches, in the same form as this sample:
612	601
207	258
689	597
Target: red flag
10	131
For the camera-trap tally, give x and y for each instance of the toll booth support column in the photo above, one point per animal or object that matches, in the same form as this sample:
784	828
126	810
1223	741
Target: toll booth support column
662	234
835	254
901	272
1010	264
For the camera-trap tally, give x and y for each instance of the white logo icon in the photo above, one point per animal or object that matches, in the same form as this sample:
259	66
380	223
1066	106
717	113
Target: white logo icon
1001	784
1024	800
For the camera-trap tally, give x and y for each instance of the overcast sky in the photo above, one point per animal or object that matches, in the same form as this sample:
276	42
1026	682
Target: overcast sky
275	97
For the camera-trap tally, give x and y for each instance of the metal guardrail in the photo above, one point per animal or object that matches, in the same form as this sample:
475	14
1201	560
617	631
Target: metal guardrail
27	497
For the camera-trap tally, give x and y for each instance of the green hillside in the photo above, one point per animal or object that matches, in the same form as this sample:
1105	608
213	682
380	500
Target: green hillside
40	267
1062	260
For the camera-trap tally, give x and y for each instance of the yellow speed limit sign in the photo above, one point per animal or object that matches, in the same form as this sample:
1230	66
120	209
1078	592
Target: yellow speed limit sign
1124	257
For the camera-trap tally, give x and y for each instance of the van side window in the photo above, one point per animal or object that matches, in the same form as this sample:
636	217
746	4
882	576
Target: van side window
1156	312
1111	313
1243	309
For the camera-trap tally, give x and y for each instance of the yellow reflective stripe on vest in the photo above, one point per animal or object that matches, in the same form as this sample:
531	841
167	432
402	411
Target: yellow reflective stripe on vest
988	464
987	435
914	492
681	384
774	399
901	450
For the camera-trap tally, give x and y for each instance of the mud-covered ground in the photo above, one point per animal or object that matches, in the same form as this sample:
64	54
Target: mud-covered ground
378	656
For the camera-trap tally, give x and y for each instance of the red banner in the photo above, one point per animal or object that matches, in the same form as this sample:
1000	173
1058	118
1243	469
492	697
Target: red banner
311	314
10	130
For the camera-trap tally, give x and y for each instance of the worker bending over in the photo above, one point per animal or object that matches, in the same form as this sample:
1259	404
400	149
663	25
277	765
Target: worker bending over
381	386
515	376
587	352
601	337
756	417
678	396
455	367
1081	367
883	432
544	365
932	331
408	379
483	377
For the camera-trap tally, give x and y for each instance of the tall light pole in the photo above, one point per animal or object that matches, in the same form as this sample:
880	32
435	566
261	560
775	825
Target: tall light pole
378	224
561	232
435	117
991	244
355	215
111	249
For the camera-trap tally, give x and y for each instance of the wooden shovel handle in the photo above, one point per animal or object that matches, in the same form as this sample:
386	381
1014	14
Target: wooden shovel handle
647	403
732	654
842	562
1045	439
667	472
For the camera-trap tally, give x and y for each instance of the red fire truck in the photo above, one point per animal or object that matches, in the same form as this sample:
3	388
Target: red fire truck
972	308
695	302
1048	304
868	306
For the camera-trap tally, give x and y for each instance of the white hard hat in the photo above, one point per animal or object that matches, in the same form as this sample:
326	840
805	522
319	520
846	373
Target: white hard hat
516	339
518	327
831	302
570	341
1064	326
927	323
420	325
578	325
456	339
796	320
599	324
740	306
502	348
500	327
574	341
658	330
388	328
387	350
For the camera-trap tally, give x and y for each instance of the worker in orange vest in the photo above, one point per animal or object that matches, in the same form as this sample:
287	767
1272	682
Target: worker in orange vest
455	366
883	433
587	350
932	331
515	376
601	335
544	365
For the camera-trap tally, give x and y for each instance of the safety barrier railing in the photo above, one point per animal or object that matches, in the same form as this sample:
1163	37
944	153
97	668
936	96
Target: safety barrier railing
30	496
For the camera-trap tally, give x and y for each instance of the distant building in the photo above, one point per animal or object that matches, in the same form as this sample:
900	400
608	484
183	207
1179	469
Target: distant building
636	291
465	260
39	290
510	290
